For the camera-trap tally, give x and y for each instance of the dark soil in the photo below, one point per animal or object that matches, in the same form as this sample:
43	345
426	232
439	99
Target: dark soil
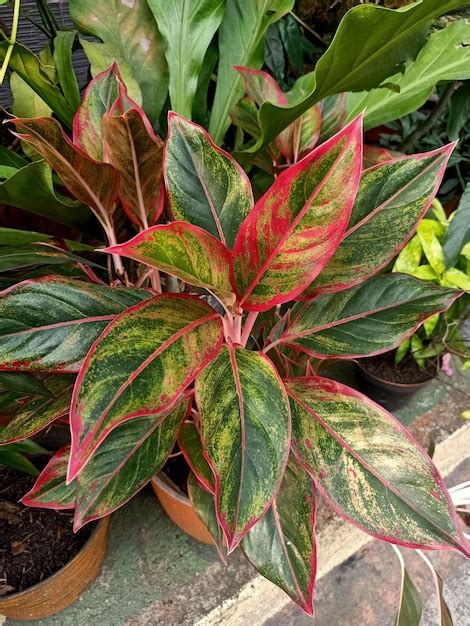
34	543
408	372
177	470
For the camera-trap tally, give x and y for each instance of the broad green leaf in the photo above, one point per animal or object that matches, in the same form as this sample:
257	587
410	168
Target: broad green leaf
39	413
187	252
27	446
29	67
49	324
402	351
458	233
369	468
409	611
31	188
13	258
129	36
50	491
439	212
17	461
241	42
204	505
456	278
63	48
137	153
245	433
102	92
26	102
430	324
282	544
410	257
8	157
417	351
205	185
25	384
444	57
370	45
187	27
94	184
459	111
295	228
425	272
370	318
432	250
392	198
143	361
190	444
126	460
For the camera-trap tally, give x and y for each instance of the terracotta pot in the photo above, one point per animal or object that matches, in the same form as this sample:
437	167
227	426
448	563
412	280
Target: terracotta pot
390	395
60	590
179	509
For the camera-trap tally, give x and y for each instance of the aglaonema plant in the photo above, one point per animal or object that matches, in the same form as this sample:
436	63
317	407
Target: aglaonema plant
211	329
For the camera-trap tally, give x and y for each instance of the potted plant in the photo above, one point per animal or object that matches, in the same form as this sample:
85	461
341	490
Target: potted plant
217	354
438	253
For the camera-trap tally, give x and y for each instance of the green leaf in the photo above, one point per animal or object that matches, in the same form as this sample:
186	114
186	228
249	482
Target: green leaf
39	413
94	184
50	323
370	45
12	258
282	544
126	460
392	198
25	384
28	66
143	361
50	491
204	505
63	48
456	278
241	42
432	250
245	432
187	252
370	318
458	233
190	444
369	468
17	461
26	102
214	192
27	446
31	188
137	154
296	226
129	36
459	111
410	257
410	609
187	27
430	324
402	351
450	46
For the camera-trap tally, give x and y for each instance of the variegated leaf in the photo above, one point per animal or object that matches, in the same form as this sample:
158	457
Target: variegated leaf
367	319
391	200
185	251
204	504
50	490
205	185
40	412
369	467
245	430
137	153
190	444
139	366
126	460
49	324
99	97
95	184
297	225
282	544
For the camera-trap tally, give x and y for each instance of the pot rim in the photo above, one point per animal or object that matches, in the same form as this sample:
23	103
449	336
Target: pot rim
391	383
165	483
101	523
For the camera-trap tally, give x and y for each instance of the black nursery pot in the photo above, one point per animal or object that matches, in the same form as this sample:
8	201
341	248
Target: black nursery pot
391	395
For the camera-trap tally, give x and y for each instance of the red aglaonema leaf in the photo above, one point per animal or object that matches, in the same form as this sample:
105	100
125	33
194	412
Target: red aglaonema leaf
245	431
104	92
297	225
187	252
369	467
189	441
50	490
95	184
282	545
126	460
132	147
139	366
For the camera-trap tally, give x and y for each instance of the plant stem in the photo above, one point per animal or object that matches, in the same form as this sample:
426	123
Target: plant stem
248	327
427	125
11	40
271	345
155	280
118	266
